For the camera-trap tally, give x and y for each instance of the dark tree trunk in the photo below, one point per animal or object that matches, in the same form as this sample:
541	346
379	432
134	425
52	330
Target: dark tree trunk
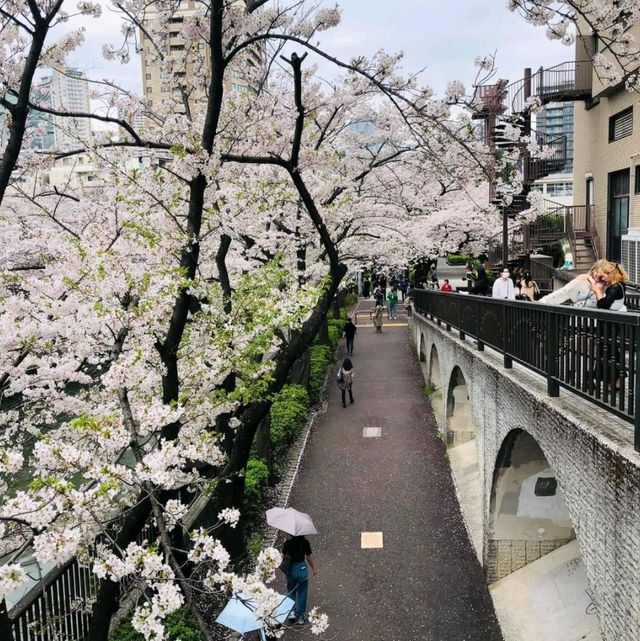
108	596
263	444
335	306
323	332
300	371
6	631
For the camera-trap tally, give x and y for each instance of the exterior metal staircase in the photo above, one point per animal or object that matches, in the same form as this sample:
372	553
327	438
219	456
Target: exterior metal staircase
501	104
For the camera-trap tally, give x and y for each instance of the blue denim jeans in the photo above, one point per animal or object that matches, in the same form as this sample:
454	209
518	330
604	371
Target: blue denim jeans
298	586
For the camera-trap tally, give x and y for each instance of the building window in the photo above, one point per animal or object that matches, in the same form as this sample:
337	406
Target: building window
559	189
176	48
637	185
149	89
621	125
148	76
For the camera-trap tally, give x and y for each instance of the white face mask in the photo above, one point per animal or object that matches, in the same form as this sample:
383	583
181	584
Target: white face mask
505	276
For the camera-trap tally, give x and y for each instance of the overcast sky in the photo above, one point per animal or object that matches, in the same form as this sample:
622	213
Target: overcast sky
441	36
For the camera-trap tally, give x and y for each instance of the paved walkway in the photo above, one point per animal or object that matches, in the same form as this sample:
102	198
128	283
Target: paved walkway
425	583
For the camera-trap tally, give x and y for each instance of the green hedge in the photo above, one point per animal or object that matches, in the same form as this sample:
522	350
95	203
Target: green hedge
180	626
319	358
256	482
289	412
458	259
350	299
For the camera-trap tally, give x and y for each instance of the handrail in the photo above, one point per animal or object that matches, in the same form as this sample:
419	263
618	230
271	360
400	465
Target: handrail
567	80
593	353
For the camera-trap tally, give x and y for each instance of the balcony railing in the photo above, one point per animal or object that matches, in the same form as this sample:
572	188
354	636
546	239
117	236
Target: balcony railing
567	81
593	353
556	147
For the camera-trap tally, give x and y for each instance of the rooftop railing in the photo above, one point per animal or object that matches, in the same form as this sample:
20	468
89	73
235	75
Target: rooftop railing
593	353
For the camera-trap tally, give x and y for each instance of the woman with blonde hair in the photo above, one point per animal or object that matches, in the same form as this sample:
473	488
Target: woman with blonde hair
577	292
611	289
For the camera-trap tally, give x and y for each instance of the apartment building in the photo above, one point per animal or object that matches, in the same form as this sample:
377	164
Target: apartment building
607	162
64	90
189	61
556	119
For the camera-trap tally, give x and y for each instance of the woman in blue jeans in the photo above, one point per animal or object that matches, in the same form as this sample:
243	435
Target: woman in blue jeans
299	549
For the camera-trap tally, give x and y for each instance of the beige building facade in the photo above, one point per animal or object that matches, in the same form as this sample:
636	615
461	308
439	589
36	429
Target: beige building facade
189	61
607	163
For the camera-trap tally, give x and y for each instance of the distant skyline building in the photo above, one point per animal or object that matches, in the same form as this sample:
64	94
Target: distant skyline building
556	119
63	90
190	60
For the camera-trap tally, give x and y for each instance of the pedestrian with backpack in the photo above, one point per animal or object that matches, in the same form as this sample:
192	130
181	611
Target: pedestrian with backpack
345	381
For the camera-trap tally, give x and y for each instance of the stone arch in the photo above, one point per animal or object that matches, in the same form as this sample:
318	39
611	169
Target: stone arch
460	433
434	385
528	517
422	351
434	378
459	420
532	547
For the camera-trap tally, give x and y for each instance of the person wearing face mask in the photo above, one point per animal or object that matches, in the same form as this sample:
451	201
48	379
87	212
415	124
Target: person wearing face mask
503	287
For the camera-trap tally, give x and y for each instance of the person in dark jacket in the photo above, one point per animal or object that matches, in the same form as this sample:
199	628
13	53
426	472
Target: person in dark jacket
610	289
299	549
350	334
481	285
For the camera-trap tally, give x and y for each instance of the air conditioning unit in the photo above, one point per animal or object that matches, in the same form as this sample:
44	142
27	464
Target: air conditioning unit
631	254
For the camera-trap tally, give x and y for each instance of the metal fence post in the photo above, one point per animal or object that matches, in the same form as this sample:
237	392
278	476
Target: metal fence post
551	356
636	410
508	337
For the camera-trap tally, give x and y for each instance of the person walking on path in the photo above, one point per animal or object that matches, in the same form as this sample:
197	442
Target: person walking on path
345	381
350	334
503	287
299	549
481	285
377	318
446	286
468	276
529	288
392	301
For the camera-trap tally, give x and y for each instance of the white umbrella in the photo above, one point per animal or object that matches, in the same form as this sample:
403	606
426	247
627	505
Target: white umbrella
239	613
290	521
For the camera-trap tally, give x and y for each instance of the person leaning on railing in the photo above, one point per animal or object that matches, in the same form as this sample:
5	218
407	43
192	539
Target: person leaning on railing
610	289
577	292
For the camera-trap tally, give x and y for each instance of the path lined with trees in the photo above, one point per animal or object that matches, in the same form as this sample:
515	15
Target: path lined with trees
425	583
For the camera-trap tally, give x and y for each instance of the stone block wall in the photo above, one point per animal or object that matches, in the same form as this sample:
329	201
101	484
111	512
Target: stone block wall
590	451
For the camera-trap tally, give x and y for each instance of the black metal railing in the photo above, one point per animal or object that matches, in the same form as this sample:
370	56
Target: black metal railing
593	353
632	300
567	81
59	606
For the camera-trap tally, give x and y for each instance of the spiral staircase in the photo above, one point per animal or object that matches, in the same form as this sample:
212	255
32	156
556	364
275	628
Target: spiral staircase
503	104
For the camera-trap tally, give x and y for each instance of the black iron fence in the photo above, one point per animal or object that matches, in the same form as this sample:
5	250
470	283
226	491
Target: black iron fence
593	353
58	607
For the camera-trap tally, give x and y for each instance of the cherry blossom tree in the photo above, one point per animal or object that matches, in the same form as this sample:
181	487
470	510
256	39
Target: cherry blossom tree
149	318
610	22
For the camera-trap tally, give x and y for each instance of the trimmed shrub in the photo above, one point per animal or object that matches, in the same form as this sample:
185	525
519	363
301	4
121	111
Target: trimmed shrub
458	259
289	412
256	481
180	626
334	336
319	357
350	299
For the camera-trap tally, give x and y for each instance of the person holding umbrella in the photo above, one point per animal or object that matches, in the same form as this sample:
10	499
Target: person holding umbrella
298	549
